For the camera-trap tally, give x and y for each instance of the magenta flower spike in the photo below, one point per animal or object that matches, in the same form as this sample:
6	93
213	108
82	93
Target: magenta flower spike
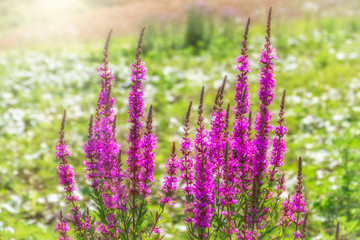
186	165
217	136
66	176
243	66
240	140
294	207
102	149
204	182
170	180
227	189
62	227
66	172
298	202
266	96
261	141
148	144
279	146
136	113
286	213
228	193
169	186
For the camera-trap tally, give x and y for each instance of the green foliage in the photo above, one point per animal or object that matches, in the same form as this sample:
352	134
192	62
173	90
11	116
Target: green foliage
199	27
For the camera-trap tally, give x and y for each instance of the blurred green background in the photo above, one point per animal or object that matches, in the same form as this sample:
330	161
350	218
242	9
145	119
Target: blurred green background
50	51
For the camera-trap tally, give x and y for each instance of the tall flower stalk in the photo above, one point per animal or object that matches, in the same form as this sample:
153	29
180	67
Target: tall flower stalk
204	182
262	126
148	144
240	140
62	227
66	176
136	113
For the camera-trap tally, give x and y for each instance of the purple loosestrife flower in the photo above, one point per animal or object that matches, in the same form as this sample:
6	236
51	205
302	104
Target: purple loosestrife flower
293	207
136	111
118	188
227	191
102	149
169	185
204	182
298	200
267	81
263	118
66	172
260	143
243	66
240	140
148	145
186	165
286	213
170	180
217	136
62	227
66	176
279	146
92	166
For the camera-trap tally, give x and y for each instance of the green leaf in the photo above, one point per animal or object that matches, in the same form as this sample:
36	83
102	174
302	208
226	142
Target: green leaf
268	231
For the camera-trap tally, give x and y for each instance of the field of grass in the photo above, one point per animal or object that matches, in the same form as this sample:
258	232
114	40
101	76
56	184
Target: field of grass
319	66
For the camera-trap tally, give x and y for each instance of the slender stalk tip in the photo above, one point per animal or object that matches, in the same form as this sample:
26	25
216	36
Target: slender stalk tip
149	120
246	33
173	148
227	112
119	163
268	27
91	121
220	93
282	107
187	117
139	47
202	96
63	121
223	83
106	47
226	151
150	114
283	96
337	234
303	230
108	40
114	124
108	96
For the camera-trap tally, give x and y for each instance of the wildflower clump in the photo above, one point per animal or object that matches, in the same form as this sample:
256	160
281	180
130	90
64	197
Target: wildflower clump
227	178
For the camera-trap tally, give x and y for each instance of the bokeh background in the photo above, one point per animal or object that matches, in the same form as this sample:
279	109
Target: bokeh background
50	51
